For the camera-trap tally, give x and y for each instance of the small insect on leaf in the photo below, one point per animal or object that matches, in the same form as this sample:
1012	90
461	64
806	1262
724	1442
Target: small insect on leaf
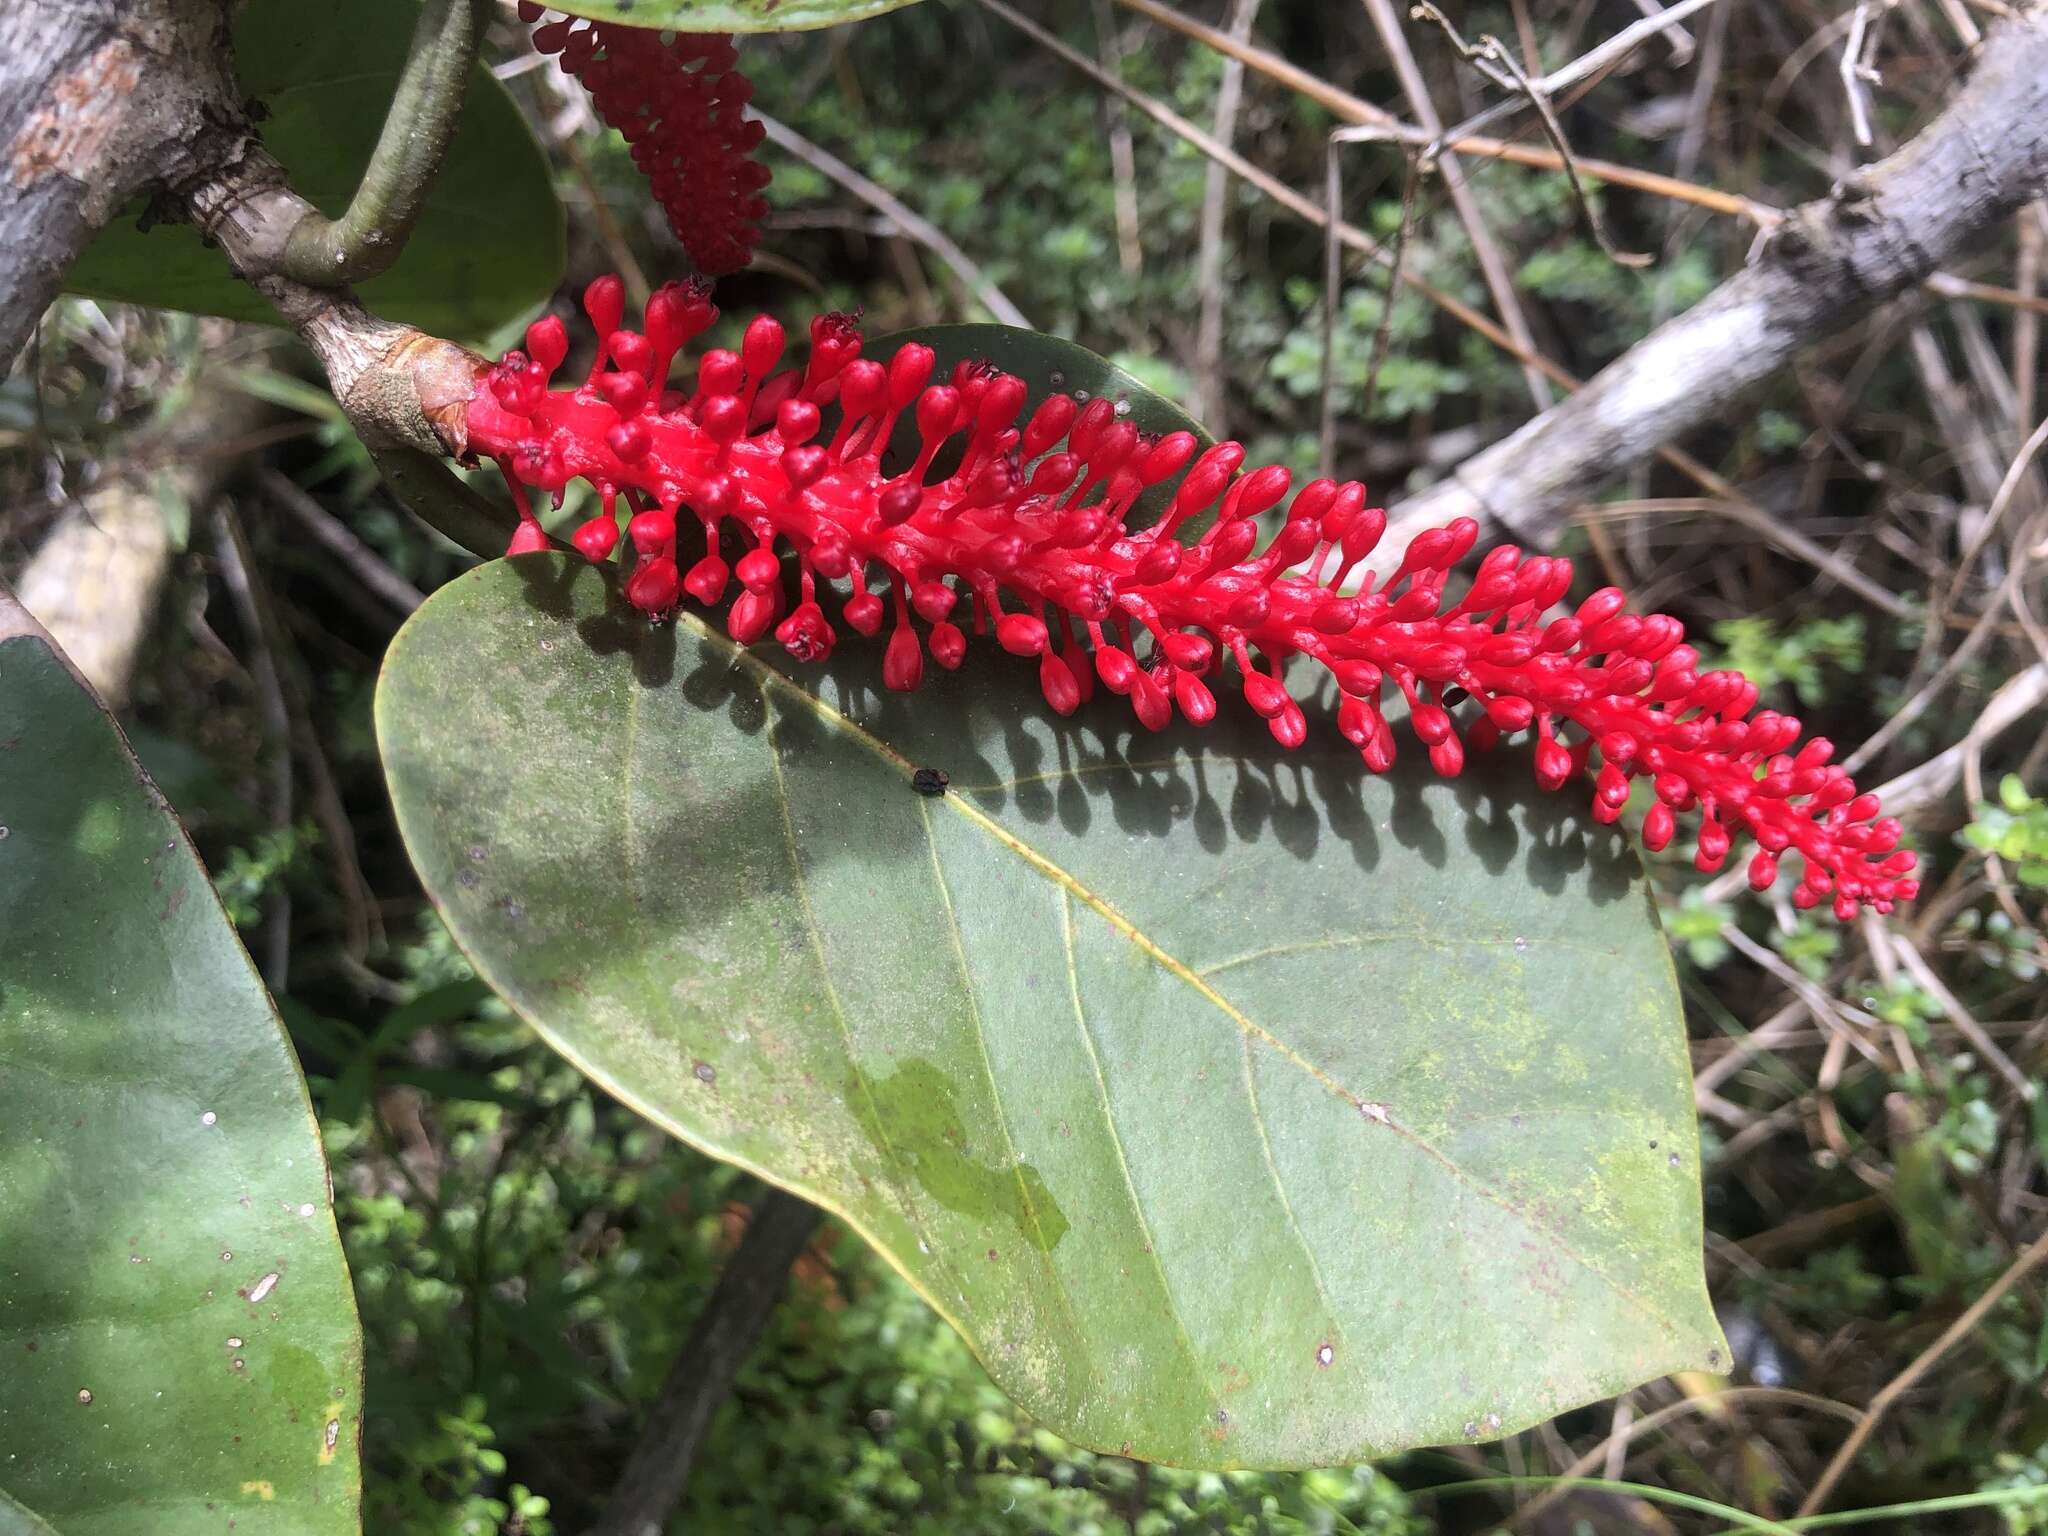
930	781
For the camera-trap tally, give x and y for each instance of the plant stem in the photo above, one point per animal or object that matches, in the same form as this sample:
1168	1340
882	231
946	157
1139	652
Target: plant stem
726	1332
425	108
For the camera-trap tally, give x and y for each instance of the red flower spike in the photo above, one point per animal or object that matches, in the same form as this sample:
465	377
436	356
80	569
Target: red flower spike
1047	554
677	101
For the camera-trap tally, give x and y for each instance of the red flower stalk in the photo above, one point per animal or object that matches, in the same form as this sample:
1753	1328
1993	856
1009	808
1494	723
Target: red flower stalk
1031	529
678	104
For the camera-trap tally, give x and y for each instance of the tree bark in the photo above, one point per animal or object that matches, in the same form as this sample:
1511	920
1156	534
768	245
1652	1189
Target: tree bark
100	100
1881	232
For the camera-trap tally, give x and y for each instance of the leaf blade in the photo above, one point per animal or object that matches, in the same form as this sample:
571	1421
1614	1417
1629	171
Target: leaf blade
181	1338
732	15
1065	1079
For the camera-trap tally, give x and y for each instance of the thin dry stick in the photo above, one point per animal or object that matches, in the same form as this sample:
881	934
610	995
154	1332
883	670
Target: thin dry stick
328	531
1210	394
1766	1036
1973	642
1492	267
1907	954
923	231
1857	73
1818	1003
2000	502
1333	276
1734	504
1492	59
1904	1382
1123	159
1925	783
1383	333
2026	326
231	548
1591	62
1355	109
2022	298
1301	207
1773	530
1680	39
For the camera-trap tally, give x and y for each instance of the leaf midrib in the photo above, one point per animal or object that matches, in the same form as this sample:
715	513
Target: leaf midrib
767	677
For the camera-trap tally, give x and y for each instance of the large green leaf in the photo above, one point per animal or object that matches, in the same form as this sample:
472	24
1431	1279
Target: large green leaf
489	246
1050	366
178	1343
730	15
1239	1108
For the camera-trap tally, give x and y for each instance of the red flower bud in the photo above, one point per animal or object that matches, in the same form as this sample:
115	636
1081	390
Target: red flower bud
1029	523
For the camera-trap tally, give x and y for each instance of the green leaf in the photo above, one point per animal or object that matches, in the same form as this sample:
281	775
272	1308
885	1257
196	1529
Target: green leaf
1050	366
731	15
2012	794
489	246
178	1340
1239	1108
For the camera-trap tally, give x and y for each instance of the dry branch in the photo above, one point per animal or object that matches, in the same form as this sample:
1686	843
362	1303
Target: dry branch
1880	233
99	100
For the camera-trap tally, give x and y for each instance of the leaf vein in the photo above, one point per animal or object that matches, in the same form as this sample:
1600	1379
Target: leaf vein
996	1093
1123	1162
961	805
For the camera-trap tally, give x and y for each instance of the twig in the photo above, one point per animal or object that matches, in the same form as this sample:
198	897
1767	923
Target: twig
725	1334
332	535
1357	239
425	107
923	231
1908	955
1766	1036
1926	783
1772	529
1882	232
1680	39
1491	57
2000	502
1301	207
2026	325
1499	283
1123	160
1210	395
1972	642
1383	333
231	547
1903	1383
1333	275
1817	1001
1857	73
1591	62
2028	304
1348	108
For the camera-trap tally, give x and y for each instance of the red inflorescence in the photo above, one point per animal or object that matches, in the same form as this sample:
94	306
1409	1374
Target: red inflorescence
678	103
1030	529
